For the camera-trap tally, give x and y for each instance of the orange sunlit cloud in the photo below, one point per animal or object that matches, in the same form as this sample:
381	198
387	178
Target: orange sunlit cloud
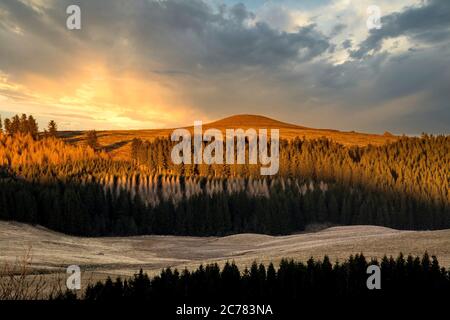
97	96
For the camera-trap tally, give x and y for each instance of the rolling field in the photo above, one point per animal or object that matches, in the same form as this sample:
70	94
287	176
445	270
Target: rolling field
53	252
117	142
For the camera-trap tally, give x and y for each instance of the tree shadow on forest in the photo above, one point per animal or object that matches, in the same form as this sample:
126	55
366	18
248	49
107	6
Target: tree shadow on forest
110	218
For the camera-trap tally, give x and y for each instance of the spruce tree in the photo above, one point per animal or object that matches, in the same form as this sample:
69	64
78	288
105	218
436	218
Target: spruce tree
52	128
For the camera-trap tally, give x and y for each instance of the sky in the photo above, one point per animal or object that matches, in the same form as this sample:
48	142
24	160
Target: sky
141	64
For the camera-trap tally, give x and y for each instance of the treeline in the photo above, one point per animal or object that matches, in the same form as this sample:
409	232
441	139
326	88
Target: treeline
95	209
290	283
26	125
82	191
78	191
416	167
20	153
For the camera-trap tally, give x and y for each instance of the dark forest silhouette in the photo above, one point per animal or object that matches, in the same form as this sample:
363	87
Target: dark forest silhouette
290	283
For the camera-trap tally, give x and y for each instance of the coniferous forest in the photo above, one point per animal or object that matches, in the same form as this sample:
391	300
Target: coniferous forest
290	283
82	190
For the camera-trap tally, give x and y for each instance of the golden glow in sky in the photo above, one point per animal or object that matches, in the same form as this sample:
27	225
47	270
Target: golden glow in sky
145	64
96	96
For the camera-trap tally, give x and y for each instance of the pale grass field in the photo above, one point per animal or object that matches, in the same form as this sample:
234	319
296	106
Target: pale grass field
98	257
118	142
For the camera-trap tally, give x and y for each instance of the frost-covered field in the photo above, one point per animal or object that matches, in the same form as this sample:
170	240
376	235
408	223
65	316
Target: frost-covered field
53	251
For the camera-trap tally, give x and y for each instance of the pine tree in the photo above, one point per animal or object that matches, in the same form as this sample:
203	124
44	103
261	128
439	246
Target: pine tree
52	128
8	126
15	125
32	127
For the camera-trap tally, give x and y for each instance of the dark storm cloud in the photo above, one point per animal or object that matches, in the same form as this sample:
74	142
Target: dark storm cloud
386	79
223	60
30	41
185	35
428	23
347	44
190	35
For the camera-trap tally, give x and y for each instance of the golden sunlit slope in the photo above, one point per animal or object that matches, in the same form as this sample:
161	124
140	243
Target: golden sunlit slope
117	142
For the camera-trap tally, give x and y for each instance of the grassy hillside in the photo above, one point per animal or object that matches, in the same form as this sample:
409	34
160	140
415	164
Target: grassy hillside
125	255
117	142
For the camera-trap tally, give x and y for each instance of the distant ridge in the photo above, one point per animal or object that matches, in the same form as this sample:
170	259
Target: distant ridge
118	142
251	121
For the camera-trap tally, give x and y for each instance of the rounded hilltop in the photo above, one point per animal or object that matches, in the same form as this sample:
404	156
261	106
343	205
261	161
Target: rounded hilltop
250	121
118	142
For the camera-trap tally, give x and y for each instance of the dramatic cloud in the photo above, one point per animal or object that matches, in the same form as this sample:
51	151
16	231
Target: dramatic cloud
144	63
428	22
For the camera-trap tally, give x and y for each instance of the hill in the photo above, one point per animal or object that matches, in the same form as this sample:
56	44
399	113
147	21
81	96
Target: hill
53	251
117	142
251	121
